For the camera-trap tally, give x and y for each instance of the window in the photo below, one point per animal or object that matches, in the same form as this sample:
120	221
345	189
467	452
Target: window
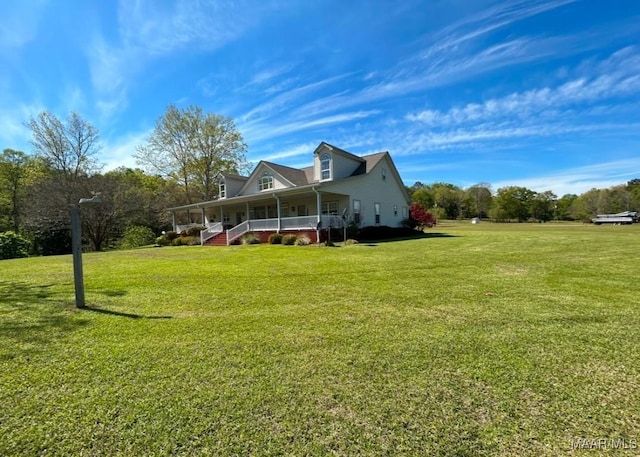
225	219
325	167
395	210
284	210
376	207
265	182
330	208
405	213
384	174
223	190
356	211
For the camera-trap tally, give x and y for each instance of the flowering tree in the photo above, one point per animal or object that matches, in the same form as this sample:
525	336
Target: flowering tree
420	217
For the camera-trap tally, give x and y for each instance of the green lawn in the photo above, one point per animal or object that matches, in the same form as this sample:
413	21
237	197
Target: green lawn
515	339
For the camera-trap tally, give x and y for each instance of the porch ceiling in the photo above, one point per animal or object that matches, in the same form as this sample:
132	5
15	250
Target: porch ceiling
263	196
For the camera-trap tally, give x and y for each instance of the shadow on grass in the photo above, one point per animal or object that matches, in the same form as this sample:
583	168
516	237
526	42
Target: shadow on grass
406	238
31	317
122	314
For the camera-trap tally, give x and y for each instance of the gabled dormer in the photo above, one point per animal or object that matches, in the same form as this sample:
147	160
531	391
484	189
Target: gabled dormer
229	184
331	163
269	176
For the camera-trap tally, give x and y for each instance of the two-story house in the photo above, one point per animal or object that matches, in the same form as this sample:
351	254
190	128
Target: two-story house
338	188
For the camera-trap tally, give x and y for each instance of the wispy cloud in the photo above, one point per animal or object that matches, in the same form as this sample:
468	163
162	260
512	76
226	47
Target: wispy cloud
19	24
580	179
543	111
118	152
149	30
263	131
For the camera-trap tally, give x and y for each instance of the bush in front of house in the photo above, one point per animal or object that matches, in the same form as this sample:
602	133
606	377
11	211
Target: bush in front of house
275	238
350	242
303	240
249	238
162	241
193	231
137	236
289	239
186	241
171	235
13	246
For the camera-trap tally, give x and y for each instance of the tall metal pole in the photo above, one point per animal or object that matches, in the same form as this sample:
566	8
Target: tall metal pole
76	249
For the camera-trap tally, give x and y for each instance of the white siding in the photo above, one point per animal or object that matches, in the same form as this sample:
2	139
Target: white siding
341	165
252	185
372	188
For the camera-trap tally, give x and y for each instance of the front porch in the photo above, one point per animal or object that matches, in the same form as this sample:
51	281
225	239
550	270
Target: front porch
226	220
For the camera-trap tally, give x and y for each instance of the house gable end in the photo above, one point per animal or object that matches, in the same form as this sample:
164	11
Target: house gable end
331	163
267	176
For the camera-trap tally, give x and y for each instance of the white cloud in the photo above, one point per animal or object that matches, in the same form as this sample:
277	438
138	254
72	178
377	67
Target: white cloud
118	152
580	179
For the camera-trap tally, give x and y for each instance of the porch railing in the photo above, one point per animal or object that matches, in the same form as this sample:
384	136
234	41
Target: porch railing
210	232
263	224
237	231
298	222
182	228
286	223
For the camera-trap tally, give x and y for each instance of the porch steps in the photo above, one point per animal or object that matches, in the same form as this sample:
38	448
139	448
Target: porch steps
219	240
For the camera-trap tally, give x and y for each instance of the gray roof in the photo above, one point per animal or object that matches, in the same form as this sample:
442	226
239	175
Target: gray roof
295	176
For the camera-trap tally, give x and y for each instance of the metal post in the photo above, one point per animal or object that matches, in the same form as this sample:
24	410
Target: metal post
76	249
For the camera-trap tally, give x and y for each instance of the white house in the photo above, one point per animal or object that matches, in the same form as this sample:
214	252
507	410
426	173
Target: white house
339	188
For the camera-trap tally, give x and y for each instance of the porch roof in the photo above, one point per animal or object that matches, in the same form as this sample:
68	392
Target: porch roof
265	195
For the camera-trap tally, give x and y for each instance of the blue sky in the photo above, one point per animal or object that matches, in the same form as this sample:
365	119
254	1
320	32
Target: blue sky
537	93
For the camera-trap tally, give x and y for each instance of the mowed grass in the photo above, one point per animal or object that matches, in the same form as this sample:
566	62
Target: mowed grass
479	340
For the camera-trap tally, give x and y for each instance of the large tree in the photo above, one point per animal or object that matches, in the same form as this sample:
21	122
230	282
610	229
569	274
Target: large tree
14	167
480	198
69	152
192	147
69	148
513	202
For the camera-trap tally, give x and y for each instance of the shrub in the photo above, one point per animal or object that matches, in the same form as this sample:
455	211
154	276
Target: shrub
13	246
350	241
289	239
137	236
162	241
303	240
186	241
55	241
275	238
171	235
249	238
193	231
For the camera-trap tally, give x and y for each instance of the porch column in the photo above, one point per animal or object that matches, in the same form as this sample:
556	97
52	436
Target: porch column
203	217
222	217
319	212
173	221
278	208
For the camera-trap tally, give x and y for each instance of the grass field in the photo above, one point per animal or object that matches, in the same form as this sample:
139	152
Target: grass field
479	340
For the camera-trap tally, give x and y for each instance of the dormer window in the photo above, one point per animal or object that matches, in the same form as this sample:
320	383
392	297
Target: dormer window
265	182
222	189
325	167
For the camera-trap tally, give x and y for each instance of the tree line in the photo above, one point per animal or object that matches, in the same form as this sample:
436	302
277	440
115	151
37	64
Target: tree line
178	165
514	203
